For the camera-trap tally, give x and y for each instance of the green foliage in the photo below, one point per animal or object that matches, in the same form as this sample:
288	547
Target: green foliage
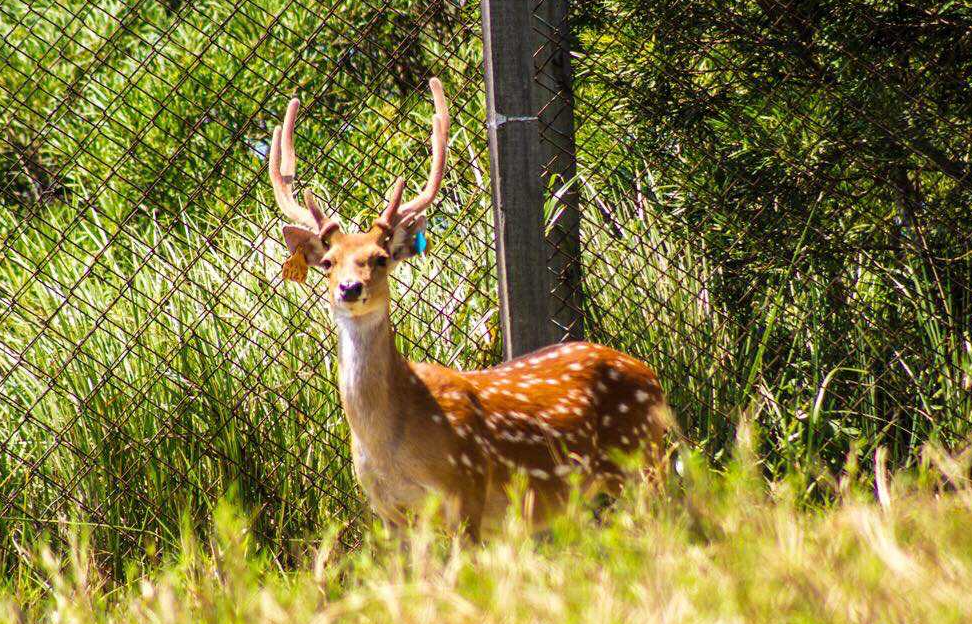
806	166
720	547
773	218
152	360
156	108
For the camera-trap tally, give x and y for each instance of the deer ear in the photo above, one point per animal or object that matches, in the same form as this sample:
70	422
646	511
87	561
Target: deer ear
407	239
299	237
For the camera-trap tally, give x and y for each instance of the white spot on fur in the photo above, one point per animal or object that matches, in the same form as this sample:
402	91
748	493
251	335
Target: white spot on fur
623	408
539	474
614	374
641	396
576	366
465	461
562	470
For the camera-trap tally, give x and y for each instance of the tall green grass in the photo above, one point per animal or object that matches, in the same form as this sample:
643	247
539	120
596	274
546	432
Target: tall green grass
881	368
152	359
139	392
143	391
715	548
153	362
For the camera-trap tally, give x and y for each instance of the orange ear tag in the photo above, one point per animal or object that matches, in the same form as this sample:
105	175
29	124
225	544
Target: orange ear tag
295	267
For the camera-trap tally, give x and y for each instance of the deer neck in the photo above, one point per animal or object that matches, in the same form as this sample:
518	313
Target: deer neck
369	369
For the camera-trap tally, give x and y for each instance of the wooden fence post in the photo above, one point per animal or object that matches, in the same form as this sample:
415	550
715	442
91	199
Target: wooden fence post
514	159
554	101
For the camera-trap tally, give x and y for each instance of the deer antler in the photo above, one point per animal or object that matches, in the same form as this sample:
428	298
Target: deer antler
410	211
283	164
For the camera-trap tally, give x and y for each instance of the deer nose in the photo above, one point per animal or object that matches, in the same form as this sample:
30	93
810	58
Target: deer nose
350	291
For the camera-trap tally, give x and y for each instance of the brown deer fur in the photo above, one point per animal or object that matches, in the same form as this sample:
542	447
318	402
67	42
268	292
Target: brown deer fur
418	427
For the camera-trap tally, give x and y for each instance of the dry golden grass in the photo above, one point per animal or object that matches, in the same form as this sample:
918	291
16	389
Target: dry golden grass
715	547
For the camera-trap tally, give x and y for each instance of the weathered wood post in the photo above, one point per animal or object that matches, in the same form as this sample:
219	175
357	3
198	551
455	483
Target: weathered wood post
554	101
514	158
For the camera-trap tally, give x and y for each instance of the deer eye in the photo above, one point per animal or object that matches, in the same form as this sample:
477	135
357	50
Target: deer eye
381	261
326	264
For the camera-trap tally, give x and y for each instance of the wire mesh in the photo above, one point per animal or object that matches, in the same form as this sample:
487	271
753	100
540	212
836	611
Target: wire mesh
153	360
767	202
771	213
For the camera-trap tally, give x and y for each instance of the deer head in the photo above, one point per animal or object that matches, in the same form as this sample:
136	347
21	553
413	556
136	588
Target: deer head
357	265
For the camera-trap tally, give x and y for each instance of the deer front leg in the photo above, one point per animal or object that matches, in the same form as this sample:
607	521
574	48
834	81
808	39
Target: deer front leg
464	510
471	513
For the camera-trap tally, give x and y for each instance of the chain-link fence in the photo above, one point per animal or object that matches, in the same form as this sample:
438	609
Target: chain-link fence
153	359
766	201
774	211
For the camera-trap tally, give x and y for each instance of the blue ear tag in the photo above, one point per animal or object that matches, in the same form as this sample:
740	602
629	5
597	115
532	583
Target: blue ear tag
420	242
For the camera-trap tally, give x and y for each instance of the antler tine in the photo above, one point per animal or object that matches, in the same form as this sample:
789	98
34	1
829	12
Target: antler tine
283	162
324	226
395	196
384	221
440	143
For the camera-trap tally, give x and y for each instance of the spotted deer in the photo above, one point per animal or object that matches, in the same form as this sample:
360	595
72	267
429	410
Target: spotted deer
418	427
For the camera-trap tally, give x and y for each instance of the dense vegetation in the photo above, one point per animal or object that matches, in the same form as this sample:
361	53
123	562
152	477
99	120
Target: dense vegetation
152	357
815	157
716	548
775	217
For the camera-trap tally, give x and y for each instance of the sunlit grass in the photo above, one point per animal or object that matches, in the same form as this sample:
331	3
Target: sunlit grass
152	361
148	376
710	548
